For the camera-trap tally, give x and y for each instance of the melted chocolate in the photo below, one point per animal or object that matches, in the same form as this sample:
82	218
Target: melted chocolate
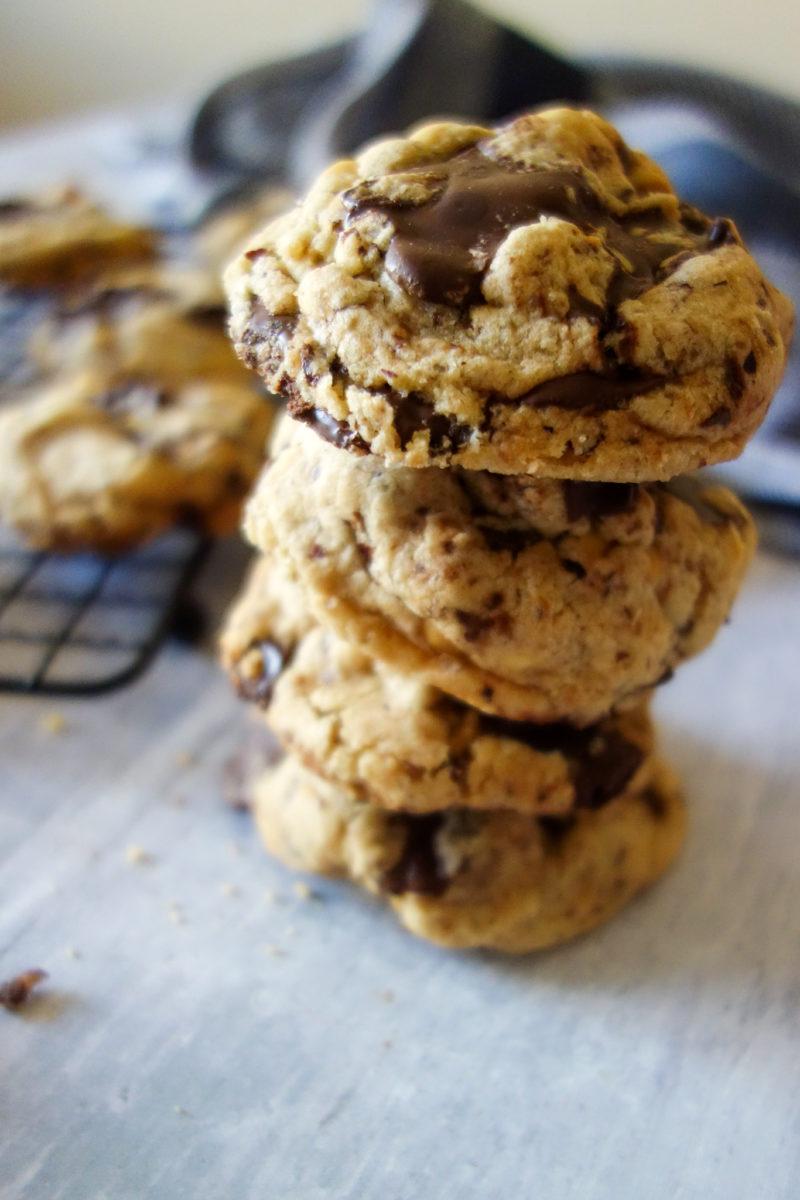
440	249
511	541
338	433
418	868
269	334
413	413
596	500
589	390
601	762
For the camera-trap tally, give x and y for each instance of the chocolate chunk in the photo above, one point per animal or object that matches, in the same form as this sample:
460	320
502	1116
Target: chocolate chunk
509	541
721	233
603	770
750	363
17	991
720	417
734	378
258	688
473	624
413	413
589	390
574	568
267	336
418	869
338	433
133	397
600	761
654	801
440	249
598	500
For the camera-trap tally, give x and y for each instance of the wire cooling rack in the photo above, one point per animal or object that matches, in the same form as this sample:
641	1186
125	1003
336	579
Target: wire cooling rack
79	624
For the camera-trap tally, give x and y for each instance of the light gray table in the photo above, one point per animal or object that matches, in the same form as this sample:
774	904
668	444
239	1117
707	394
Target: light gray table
208	1031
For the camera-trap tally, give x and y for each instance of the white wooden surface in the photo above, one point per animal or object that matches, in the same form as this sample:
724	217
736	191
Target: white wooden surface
208	1032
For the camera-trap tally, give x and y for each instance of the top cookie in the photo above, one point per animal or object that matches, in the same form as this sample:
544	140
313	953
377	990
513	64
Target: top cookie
531	300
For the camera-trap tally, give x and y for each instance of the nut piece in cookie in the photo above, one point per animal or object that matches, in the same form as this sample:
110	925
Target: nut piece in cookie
533	299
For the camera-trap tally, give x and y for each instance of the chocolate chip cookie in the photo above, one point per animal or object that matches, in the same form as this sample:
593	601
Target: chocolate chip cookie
454	577
53	239
533	299
396	742
105	460
465	878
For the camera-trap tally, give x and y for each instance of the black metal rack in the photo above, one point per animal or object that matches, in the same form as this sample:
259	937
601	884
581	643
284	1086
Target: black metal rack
80	624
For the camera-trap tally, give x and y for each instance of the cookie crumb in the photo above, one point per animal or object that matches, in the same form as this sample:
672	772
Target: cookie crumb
176	914
275	951
185	759
138	856
180	1110
302	890
16	992
73	952
387	996
53	724
270	896
229	890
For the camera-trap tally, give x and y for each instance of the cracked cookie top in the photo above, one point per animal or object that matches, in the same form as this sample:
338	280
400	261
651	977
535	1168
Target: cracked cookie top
528	300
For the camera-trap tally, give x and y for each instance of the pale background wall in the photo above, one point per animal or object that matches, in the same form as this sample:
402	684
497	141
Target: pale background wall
66	56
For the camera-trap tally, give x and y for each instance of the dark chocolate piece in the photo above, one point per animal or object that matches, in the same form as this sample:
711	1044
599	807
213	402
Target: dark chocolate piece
338	433
441	248
597	500
413	413
601	761
418	869
510	541
589	390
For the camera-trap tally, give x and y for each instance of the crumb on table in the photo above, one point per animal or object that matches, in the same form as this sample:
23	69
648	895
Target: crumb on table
16	992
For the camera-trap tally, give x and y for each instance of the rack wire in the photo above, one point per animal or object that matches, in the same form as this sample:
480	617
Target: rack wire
80	624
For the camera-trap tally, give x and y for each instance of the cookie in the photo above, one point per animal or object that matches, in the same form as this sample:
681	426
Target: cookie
58	237
428	572
528	300
466	879
165	320
105	461
396	742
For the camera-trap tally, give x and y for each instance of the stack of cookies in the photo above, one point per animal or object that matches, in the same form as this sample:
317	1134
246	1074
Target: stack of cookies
499	350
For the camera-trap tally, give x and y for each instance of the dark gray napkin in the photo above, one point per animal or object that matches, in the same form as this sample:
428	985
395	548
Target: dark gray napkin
730	148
